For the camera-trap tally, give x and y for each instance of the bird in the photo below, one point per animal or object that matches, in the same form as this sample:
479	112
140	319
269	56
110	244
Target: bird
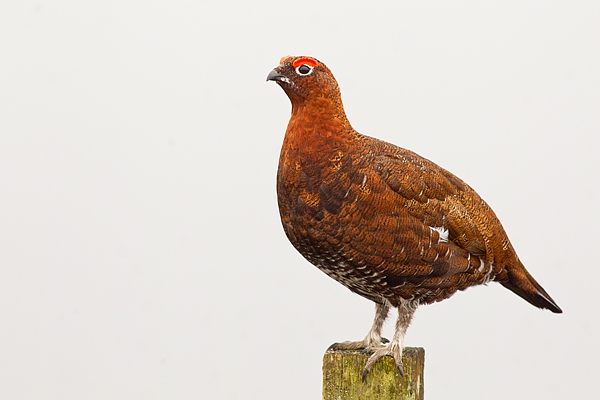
390	225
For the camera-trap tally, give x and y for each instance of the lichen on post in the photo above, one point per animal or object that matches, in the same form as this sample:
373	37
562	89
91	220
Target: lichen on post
342	376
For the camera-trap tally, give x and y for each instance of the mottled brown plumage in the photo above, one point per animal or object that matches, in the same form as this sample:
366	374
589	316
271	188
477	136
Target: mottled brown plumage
385	222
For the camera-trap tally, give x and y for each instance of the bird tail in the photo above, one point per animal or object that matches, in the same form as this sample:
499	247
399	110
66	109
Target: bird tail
523	284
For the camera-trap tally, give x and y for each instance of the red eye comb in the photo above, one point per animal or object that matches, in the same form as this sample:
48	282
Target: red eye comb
304	60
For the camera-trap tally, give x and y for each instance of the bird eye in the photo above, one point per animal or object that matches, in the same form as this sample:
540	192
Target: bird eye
303	69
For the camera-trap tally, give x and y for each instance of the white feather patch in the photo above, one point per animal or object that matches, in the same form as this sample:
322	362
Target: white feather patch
442	232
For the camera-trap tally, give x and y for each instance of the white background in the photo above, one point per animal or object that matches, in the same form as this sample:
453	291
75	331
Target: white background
141	253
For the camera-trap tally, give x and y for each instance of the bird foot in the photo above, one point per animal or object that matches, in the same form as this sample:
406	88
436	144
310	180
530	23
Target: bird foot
394	351
357	345
377	349
368	345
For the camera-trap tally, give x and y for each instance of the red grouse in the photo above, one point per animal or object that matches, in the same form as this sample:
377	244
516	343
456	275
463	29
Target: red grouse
383	221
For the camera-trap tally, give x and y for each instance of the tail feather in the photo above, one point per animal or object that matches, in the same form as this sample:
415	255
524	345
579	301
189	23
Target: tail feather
524	285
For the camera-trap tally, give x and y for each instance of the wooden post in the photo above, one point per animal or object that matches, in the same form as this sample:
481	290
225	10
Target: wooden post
342	376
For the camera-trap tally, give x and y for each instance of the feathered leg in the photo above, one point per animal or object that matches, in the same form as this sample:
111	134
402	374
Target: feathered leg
373	340
406	310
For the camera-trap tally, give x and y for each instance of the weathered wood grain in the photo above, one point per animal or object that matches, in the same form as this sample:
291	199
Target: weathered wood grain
342	376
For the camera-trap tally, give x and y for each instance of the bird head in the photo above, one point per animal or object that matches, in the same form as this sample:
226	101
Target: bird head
305	79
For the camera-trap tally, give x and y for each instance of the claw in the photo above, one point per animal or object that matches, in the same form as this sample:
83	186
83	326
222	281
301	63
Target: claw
370	364
400	369
364	375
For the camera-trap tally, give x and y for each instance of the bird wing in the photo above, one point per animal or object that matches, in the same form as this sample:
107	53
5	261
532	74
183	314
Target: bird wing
437	198
408	223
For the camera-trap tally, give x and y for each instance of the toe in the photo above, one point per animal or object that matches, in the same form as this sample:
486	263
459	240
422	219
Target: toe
397	354
377	354
333	347
359	345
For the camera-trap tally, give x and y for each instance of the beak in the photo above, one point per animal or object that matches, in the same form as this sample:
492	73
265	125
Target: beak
277	77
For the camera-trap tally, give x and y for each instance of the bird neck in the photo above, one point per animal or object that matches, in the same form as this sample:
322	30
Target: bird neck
319	118
321	111
316	131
